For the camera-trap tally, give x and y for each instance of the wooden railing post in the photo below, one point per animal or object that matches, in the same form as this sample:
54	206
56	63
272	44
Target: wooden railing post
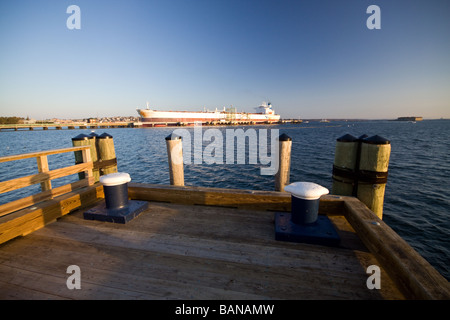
86	153
42	163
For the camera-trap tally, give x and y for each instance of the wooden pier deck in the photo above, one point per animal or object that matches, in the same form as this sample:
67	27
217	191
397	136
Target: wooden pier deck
175	251
193	248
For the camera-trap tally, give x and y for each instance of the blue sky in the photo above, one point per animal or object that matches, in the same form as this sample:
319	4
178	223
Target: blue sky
311	59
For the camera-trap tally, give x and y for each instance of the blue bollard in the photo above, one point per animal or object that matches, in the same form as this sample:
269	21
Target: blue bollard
303	223
116	207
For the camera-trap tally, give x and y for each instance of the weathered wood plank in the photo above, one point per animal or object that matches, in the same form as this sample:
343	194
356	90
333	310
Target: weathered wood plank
10	291
235	198
210	196
417	278
130	274
41	281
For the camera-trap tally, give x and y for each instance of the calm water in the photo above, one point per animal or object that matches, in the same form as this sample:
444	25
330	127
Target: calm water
417	200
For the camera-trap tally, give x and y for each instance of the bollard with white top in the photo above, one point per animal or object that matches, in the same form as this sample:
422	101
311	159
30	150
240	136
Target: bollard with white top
303	223
116	208
115	187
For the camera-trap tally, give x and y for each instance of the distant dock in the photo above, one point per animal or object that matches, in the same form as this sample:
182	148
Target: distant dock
409	118
66	126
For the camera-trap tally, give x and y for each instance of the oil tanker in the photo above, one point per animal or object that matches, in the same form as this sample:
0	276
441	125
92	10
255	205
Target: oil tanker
154	118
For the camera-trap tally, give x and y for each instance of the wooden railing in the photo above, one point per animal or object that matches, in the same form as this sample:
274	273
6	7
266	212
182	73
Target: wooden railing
45	176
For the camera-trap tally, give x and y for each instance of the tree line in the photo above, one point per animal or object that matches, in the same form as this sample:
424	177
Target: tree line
10	120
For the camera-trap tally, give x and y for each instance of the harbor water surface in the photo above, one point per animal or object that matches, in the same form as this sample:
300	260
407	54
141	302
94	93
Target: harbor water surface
417	199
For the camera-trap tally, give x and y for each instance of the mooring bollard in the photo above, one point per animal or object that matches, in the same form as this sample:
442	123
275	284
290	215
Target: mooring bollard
115	188
305	198
360	169
116	208
284	161
106	154
175	157
303	223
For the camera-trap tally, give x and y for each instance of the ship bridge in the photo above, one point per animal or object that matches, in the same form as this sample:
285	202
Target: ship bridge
265	108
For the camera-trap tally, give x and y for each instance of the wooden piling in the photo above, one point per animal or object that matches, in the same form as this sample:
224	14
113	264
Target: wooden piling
284	161
80	140
344	165
94	155
86	140
106	154
175	158
360	169
373	172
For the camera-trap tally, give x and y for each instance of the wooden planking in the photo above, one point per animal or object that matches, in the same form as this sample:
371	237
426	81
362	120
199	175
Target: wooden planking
22	182
412	273
127	257
129	274
173	276
259	250
10	291
321	258
213	222
41	153
410	270
27	220
48	284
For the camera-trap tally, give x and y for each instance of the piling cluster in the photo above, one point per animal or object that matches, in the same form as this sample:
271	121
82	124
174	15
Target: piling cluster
102	150
360	169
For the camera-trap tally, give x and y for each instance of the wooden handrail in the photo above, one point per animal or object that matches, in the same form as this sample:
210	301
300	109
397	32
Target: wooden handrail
22	182
41	153
44	177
